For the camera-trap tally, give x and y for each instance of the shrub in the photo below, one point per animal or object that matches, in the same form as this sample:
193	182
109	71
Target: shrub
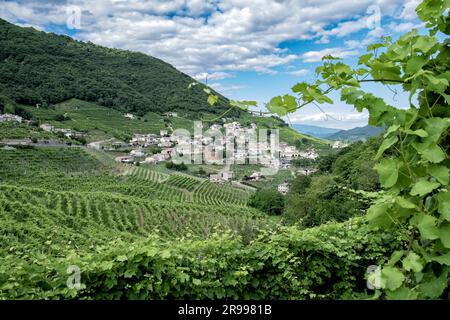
269	201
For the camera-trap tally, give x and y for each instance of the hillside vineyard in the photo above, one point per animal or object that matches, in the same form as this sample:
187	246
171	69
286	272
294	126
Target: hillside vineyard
103	198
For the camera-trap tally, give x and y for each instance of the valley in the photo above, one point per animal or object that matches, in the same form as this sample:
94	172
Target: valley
123	178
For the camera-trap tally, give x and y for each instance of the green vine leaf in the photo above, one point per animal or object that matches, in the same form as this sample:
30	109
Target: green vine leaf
427	227
391	278
388	171
423	187
282	105
386	144
412	262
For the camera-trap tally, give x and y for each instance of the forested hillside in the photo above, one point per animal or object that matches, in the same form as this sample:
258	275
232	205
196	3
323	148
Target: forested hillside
43	68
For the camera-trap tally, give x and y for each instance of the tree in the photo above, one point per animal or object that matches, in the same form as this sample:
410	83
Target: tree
269	201
60	117
300	185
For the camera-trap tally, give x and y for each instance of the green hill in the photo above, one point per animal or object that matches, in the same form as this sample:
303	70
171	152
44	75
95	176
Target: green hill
355	134
95	86
44	68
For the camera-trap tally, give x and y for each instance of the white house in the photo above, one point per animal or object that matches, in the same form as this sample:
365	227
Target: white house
339	145
94	145
10	117
310	154
215	127
67	132
163	133
306	171
256	176
125	159
171	114
129	116
216	178
227	175
137	153
283	188
47	127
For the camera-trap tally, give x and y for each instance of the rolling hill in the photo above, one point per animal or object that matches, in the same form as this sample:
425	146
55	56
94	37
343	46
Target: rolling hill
315	131
355	134
95	86
45	68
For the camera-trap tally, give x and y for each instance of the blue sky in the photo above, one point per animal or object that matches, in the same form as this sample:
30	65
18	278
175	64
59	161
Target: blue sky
249	49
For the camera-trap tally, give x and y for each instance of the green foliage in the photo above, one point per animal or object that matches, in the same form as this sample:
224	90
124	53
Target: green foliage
269	201
320	200
288	264
176	166
415	170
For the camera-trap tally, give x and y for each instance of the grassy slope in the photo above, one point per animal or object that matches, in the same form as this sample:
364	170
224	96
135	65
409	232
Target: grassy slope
100	122
103	123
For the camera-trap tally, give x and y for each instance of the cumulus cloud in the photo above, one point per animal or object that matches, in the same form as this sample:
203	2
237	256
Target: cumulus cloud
316	56
203	76
299	73
341	120
329	115
225	89
404	26
409	9
207	35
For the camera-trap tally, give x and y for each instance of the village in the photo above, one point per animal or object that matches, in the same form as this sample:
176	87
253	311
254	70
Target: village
221	144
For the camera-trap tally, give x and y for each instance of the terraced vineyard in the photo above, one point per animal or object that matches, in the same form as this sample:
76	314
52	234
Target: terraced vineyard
80	213
210	193
82	191
184	182
146	174
25	162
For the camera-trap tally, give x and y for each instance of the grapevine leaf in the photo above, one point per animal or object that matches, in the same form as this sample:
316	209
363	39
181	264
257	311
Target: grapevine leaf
444	204
391	278
388	171
440	173
282	105
429	151
427	227
423	187
443	259
402	293
444	235
387	143
432	286
412	262
421	133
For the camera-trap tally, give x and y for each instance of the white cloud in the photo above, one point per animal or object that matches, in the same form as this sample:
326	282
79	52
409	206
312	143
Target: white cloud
299	73
207	35
404	26
225	89
316	56
409	9
341	120
212	76
329	115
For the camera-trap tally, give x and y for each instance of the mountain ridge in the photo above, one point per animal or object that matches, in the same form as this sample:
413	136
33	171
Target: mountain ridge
358	133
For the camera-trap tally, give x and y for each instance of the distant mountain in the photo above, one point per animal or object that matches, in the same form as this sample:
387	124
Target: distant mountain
315	131
359	133
44	68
